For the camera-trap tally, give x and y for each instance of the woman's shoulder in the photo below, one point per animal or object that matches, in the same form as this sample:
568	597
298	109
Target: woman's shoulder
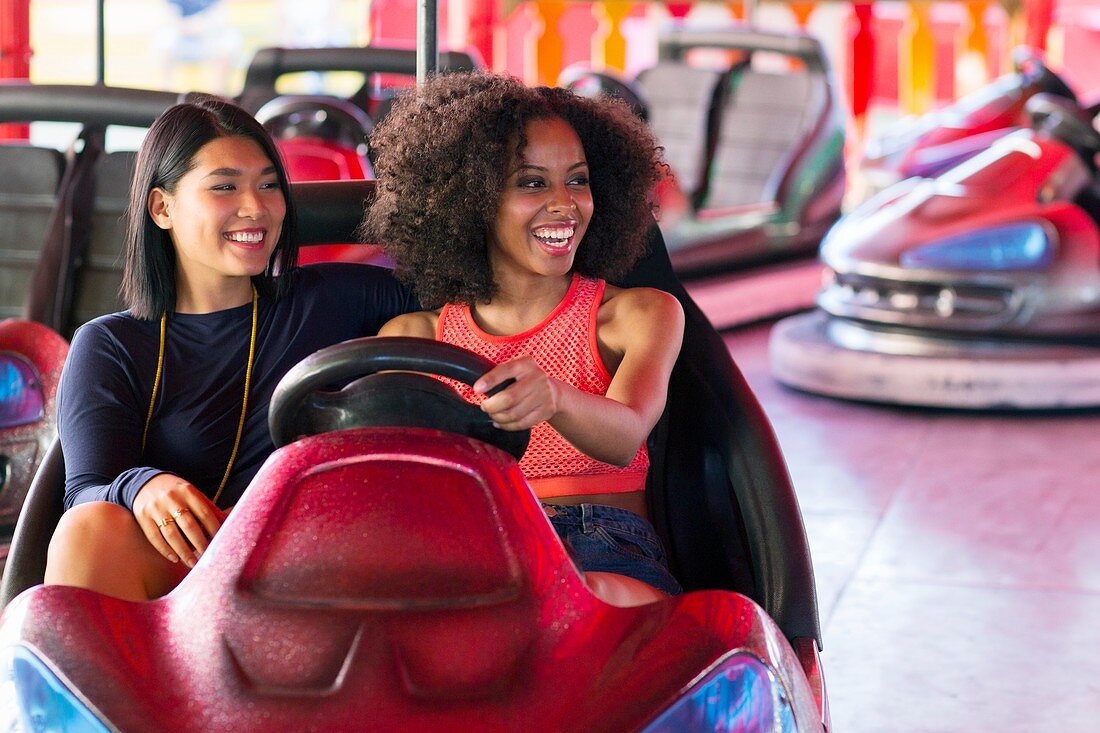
421	324
345	273
111	344
629	318
118	329
641	302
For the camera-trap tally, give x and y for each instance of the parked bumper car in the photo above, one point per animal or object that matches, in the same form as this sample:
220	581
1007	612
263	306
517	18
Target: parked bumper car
925	146
391	570
979	288
325	137
377	73
31	356
754	136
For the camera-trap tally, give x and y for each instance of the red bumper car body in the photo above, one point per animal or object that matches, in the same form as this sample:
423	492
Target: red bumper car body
391	579
1005	185
31	357
316	159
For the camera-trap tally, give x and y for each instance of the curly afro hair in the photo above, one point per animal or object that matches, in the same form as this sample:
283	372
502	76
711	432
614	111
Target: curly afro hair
442	159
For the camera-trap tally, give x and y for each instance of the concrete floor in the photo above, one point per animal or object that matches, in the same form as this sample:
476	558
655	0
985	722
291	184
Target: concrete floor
957	559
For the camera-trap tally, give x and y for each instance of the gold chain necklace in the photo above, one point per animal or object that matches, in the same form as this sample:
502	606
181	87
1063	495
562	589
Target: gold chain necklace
244	402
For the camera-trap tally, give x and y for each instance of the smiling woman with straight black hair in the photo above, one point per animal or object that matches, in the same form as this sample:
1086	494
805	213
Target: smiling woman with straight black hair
162	409
168	153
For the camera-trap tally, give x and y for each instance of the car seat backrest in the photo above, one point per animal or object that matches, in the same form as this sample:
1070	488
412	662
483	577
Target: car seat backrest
718	489
761	127
41	511
316	159
99	275
29	179
680	99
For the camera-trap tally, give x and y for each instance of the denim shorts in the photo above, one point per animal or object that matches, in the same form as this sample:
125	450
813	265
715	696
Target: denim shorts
612	540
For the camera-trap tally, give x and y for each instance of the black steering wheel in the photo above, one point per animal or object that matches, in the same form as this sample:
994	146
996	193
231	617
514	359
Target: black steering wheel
387	385
1065	121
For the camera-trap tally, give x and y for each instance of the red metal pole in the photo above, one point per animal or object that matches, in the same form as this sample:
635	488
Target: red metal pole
1040	15
862	39
678	10
15	53
482	20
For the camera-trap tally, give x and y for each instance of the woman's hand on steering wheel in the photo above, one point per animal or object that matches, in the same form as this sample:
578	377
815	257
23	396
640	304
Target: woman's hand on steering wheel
177	519
532	398
382	392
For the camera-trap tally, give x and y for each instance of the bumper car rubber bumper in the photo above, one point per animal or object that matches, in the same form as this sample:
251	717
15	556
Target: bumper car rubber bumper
835	357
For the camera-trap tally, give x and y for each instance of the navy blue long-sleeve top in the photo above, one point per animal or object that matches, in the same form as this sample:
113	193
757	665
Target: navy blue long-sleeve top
103	396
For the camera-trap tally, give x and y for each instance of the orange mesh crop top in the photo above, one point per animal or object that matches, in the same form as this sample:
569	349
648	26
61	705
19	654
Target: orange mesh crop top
564	346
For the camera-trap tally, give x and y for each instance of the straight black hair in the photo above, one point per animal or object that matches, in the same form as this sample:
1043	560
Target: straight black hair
165	156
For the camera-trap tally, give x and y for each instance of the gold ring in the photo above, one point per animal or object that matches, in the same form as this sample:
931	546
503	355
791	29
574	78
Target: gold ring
165	522
179	512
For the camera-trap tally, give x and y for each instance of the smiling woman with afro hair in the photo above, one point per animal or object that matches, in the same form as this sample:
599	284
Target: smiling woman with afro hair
441	159
509	209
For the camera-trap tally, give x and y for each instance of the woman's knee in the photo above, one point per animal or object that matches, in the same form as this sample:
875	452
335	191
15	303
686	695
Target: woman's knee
88	527
100	546
622	590
90	537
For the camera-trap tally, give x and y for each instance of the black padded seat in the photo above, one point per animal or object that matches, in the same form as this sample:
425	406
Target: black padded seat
719	492
41	511
99	275
762	125
29	180
681	100
269	64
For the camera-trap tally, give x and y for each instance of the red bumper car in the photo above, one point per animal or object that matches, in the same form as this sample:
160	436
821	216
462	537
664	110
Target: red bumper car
391	570
979	288
925	146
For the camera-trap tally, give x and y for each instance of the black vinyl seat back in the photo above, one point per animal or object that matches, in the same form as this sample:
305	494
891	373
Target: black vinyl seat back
75	270
719	492
681	100
42	509
29	180
99	270
762	126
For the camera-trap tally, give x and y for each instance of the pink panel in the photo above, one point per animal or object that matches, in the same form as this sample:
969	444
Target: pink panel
887	27
1080	21
577	27
394	21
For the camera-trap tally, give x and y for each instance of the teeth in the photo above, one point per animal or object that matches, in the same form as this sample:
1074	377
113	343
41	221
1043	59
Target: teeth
554	235
245	237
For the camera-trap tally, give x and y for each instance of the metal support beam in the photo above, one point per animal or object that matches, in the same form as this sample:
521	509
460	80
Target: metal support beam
427	39
100	43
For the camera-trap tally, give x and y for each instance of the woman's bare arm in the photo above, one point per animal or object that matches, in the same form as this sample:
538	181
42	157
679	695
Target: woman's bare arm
646	327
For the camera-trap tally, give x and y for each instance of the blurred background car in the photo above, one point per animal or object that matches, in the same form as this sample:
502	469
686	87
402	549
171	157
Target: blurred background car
754	136
926	145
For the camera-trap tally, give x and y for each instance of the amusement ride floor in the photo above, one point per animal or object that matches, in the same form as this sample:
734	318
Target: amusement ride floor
957	558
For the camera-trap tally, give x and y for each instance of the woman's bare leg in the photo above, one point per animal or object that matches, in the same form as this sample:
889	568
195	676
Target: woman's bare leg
100	546
622	590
